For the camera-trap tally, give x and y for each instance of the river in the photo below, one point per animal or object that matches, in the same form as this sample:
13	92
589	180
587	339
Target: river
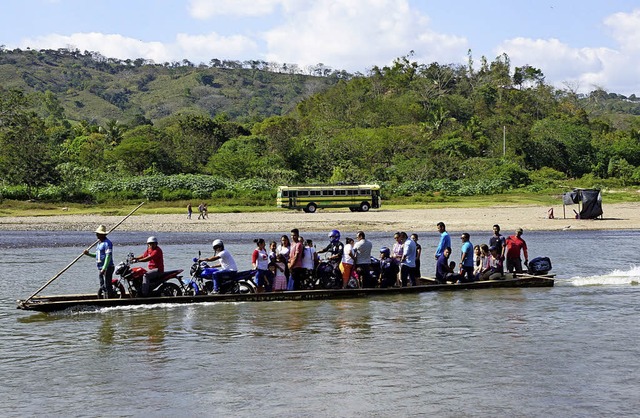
567	351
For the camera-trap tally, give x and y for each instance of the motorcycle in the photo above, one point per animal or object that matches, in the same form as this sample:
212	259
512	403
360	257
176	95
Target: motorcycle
327	276
128	282
201	280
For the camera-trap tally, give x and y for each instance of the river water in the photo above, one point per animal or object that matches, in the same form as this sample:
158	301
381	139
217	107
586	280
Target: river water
567	351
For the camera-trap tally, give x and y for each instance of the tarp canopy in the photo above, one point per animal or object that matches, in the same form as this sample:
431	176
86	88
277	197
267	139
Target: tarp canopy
591	200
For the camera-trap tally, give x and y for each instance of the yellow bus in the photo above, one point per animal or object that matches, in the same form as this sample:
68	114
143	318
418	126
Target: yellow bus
356	197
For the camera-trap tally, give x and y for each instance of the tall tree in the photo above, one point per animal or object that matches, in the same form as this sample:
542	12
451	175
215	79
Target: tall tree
26	156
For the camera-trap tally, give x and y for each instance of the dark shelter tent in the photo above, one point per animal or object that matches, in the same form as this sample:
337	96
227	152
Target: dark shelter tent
589	202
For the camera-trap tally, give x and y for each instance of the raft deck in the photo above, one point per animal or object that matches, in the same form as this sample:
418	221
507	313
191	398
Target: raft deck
90	301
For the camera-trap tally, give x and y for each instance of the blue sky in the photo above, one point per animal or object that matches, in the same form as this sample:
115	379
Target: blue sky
578	45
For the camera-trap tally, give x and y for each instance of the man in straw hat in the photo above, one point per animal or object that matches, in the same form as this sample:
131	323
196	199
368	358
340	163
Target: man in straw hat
104	261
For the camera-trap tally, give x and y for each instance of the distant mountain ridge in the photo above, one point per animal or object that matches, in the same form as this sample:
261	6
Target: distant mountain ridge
94	88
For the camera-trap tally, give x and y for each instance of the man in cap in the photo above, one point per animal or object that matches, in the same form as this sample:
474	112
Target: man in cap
104	261
155	269
515	244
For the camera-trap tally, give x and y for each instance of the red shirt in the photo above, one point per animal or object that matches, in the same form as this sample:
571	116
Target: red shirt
514	246
157	259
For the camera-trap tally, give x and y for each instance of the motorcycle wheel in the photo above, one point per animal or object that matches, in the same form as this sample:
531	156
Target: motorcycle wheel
118	293
170	289
243	286
191	289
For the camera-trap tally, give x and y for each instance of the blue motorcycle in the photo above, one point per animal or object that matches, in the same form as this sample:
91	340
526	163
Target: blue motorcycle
201	280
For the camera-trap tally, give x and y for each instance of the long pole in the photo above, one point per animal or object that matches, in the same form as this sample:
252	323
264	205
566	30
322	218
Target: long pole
79	257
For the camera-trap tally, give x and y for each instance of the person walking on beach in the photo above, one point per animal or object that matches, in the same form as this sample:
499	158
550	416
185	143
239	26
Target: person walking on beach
201	211
205	211
189	211
104	261
515	245
445	239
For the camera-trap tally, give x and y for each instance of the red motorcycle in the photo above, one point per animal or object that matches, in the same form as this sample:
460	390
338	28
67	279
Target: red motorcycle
128	284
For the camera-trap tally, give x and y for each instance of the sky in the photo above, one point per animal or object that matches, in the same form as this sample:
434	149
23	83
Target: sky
578	45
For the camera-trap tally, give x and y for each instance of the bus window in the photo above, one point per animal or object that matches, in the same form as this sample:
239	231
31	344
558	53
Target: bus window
327	193
303	193
341	192
315	192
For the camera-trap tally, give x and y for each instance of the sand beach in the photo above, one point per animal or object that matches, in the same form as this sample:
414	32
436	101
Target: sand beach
533	218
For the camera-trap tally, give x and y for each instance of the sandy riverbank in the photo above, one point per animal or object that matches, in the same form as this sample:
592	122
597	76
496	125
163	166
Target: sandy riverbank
616	216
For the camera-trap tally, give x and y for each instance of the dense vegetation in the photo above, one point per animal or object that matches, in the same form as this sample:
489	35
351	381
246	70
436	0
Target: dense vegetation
236	130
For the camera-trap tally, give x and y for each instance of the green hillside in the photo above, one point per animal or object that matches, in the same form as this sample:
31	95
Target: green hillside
94	88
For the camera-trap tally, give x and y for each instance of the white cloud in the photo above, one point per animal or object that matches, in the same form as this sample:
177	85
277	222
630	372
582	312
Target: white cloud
205	9
625	29
586	68
351	35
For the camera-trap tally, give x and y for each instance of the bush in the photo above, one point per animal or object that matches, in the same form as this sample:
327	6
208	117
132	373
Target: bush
172	195
14	193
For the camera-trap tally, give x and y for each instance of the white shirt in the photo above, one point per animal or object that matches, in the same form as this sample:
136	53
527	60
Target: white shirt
307	260
226	261
346	255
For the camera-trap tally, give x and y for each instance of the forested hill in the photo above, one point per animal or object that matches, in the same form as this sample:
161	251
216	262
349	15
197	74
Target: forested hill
230	130
96	89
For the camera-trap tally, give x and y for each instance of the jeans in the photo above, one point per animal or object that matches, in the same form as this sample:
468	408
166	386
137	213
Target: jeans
147	280
407	272
106	279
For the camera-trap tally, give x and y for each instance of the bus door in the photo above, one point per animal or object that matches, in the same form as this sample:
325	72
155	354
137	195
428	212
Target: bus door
293	199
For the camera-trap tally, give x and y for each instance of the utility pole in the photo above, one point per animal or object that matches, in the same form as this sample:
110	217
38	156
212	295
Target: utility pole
504	140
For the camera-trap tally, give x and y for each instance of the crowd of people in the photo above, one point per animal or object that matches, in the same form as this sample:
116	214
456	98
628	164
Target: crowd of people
294	261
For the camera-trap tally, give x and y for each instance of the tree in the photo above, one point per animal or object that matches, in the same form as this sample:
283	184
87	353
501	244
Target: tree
26	156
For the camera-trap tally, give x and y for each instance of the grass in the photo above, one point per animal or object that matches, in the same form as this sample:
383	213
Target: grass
223	205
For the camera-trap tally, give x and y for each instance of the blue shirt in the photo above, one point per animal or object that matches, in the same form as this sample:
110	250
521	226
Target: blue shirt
104	249
445	241
467	248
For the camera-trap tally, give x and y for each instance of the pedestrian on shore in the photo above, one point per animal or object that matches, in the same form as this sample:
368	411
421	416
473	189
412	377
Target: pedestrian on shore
201	211
189	211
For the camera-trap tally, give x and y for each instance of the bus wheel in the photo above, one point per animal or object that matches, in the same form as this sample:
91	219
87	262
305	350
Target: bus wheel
311	208
364	207
352	209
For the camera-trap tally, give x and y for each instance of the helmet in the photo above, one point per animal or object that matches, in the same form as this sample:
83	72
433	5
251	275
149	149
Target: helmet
217	243
386	251
334	235
153	240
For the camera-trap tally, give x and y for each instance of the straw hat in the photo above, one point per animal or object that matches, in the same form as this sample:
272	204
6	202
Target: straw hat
101	230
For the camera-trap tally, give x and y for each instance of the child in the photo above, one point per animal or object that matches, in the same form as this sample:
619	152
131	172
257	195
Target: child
485	263
280	279
477	260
